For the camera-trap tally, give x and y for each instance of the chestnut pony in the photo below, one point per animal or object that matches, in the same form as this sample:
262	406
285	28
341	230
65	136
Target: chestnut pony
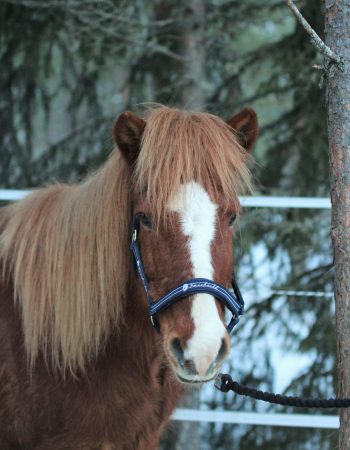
80	365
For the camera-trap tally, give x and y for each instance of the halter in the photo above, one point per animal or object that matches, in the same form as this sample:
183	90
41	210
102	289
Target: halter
234	303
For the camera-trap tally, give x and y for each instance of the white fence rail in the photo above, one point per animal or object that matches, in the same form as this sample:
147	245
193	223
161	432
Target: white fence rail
250	202
286	202
10	195
251	418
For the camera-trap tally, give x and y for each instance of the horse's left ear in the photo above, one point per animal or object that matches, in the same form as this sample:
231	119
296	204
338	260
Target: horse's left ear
127	134
245	123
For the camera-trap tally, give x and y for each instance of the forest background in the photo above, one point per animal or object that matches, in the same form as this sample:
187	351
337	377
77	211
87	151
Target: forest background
69	67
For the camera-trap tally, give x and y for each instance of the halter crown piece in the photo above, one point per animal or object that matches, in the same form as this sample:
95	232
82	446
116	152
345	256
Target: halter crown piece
233	302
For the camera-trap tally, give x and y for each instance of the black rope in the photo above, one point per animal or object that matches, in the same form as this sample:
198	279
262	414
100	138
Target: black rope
224	383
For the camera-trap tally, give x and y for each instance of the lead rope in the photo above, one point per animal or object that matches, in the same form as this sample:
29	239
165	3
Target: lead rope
224	383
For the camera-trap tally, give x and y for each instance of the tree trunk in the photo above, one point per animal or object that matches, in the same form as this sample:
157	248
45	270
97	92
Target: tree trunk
193	50
337	29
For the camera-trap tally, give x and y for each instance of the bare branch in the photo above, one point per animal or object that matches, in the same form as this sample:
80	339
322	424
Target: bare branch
315	39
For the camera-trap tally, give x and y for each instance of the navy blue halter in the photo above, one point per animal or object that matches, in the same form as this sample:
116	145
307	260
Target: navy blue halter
233	303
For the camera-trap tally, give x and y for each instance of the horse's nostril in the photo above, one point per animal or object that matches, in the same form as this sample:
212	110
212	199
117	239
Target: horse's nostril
223	351
176	350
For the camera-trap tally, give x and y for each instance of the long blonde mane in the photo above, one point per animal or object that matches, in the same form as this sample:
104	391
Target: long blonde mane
66	247
67	250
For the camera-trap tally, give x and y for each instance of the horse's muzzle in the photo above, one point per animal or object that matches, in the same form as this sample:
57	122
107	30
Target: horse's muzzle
199	370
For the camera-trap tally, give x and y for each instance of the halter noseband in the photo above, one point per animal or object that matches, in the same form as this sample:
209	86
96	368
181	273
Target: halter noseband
234	303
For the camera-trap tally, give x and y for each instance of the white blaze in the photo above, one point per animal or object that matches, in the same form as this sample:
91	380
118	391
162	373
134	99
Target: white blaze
198	221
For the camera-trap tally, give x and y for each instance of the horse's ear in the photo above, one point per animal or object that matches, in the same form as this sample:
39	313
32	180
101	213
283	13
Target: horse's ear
127	134
245	123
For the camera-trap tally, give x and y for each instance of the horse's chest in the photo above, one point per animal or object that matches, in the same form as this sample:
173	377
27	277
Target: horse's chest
142	407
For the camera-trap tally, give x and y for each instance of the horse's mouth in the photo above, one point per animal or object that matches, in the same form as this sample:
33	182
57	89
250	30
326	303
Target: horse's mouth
195	379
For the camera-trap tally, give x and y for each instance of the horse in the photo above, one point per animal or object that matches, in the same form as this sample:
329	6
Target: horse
81	367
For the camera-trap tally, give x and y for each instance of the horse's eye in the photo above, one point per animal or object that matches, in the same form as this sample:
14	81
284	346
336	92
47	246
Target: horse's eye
231	219
145	220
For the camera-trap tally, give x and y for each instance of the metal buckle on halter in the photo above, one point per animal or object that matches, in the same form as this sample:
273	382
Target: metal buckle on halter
134	235
154	322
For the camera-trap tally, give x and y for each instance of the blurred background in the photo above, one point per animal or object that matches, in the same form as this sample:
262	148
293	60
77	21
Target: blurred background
69	67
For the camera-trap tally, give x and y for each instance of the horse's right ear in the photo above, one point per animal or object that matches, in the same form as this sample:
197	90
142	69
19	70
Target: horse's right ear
127	134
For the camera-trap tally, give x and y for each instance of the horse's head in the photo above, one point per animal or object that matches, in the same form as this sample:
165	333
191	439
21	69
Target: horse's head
186	169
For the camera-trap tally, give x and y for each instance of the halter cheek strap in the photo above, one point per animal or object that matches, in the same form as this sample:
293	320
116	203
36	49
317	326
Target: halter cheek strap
234	303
